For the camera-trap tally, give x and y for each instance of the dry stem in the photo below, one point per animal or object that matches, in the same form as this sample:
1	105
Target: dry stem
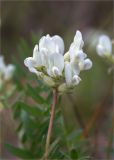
55	95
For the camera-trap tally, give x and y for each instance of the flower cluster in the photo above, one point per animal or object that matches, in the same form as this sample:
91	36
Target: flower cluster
55	68
6	71
104	48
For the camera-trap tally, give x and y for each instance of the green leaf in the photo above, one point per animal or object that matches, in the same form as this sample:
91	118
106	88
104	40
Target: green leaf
24	49
19	68
74	154
32	110
22	153
34	94
19	127
54	146
17	110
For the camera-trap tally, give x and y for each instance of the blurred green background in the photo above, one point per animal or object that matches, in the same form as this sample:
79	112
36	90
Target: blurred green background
19	19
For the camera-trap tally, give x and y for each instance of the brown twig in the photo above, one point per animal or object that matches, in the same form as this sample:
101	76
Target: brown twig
55	96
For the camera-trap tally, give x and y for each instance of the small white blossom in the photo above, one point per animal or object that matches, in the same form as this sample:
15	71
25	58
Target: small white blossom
77	56
56	68
104	48
6	71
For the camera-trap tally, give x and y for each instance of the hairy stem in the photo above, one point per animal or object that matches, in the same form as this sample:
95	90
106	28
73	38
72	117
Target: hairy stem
55	95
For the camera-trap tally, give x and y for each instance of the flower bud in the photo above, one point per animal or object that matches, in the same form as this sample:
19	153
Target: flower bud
76	80
86	64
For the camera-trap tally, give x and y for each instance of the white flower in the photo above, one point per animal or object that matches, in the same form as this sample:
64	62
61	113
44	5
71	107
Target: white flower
6	72
104	47
77	56
54	67
48	58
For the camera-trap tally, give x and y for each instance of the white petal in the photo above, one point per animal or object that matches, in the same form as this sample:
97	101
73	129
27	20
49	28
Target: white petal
31	64
52	44
44	57
76	80
100	50
72	51
68	74
78	40
80	56
56	71
47	43
75	68
59	42
57	60
75	53
81	65
33	70
42	43
87	64
35	52
40	57
106	43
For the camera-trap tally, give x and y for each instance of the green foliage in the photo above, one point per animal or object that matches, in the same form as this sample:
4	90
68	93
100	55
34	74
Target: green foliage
32	113
33	121
19	152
